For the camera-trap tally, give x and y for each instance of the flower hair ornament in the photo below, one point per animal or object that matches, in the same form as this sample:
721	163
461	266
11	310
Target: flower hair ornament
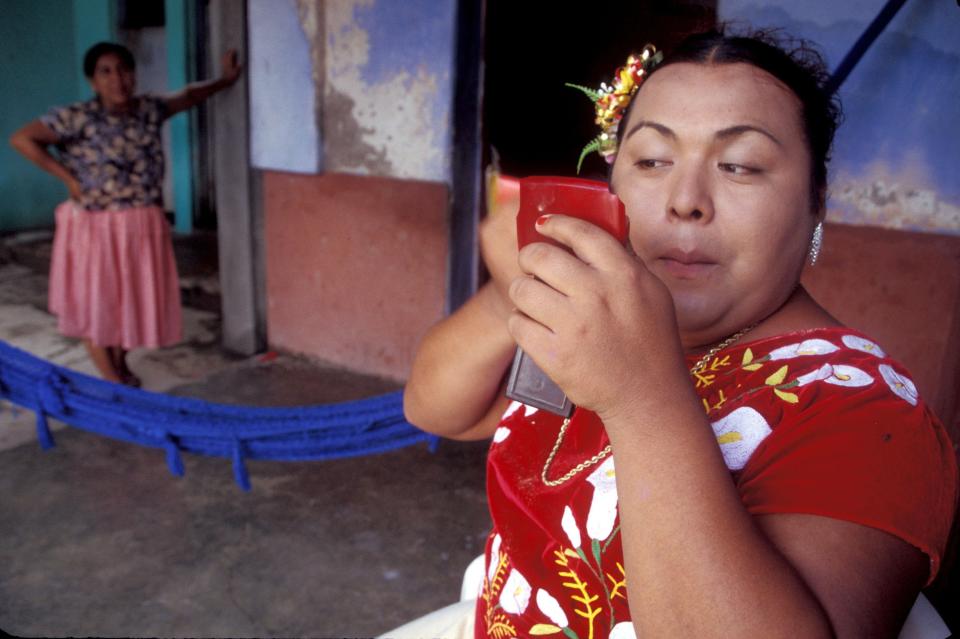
611	101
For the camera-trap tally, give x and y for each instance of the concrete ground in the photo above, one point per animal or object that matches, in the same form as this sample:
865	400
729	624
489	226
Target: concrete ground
98	539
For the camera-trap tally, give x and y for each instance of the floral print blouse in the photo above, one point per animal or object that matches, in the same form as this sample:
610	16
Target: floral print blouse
819	422
118	158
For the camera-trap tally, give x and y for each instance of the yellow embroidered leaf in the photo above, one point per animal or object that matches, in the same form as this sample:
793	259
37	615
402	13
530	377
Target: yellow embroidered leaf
734	436
545	629
787	397
753	367
571	553
747	357
778	377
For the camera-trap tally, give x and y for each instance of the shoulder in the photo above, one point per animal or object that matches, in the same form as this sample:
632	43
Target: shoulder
66	120
153	107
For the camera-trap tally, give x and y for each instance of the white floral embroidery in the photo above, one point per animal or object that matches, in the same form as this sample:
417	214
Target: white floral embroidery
623	630
901	386
551	608
494	557
603	508
569	525
806	347
515	406
838	375
739	434
501	434
860	344
516	594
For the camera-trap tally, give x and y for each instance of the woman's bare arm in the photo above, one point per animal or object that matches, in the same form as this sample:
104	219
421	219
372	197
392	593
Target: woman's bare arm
196	92
456	385
32	140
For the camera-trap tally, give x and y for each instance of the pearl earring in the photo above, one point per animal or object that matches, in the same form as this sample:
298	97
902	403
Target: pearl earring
816	243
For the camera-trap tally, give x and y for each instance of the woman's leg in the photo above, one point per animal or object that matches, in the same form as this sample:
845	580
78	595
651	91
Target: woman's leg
103	360
118	355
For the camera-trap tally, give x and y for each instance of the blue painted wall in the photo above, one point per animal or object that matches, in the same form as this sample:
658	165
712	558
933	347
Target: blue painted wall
896	155
37	71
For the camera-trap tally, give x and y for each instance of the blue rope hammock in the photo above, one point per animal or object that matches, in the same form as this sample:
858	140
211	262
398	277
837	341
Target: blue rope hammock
176	424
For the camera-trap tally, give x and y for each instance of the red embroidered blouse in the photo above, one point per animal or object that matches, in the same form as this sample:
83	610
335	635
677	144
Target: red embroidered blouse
817	422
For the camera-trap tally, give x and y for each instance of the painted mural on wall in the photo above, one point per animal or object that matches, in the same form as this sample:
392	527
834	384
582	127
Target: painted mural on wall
374	75
388	87
896	155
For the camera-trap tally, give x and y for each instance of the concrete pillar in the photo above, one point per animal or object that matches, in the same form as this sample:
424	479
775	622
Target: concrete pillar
238	194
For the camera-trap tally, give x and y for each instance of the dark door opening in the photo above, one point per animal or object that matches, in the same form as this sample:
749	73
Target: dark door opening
537	125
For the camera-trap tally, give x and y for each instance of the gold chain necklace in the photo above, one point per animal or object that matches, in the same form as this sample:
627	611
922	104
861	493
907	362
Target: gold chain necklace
701	363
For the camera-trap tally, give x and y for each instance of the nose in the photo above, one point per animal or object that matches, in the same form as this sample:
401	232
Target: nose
690	196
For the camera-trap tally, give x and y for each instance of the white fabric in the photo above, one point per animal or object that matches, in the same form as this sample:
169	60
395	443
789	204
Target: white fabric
453	622
924	622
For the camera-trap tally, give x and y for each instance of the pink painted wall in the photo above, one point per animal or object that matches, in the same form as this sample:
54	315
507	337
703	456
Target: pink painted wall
355	267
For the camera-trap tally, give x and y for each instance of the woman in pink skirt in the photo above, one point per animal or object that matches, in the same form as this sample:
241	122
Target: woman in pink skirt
113	279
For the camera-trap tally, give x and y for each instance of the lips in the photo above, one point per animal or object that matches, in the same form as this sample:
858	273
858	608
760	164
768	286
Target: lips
687	265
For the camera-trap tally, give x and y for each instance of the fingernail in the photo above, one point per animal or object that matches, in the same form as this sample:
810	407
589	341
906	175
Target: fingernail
542	219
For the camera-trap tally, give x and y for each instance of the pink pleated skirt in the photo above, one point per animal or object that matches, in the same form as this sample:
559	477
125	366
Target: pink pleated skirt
113	277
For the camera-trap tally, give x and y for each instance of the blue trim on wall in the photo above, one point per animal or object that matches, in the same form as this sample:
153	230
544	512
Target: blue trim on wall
179	31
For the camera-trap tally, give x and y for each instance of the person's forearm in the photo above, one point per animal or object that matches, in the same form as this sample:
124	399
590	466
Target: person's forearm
197	92
457	373
701	566
39	155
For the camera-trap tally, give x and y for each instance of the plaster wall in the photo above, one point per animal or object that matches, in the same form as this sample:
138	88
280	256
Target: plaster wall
355	267
895	155
356	257
36	74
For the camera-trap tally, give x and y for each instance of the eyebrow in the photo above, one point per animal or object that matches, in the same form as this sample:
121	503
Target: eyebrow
722	134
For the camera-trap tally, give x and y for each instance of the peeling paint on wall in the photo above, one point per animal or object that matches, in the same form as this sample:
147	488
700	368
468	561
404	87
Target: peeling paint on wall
395	122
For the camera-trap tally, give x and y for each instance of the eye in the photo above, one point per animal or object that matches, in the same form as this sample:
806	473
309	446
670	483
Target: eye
647	163
737	169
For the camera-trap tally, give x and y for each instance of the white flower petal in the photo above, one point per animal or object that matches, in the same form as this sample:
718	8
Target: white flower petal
569	525
511	409
739	434
806	347
860	344
551	608
494	557
843	375
820	374
529	410
500	434
623	630
604	478
515	596
603	507
602	515
901	386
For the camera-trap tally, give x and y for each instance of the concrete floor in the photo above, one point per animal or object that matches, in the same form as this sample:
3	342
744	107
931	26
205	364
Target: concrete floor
100	540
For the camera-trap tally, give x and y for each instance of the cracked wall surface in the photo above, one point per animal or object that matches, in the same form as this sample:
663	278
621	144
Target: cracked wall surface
370	79
388	87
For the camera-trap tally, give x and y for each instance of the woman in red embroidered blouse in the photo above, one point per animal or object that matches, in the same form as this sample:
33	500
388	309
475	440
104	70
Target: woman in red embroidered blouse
789	483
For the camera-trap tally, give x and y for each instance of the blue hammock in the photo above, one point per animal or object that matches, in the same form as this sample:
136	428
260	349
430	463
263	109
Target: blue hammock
178	424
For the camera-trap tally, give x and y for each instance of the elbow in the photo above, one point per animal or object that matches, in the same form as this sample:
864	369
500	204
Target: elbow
413	409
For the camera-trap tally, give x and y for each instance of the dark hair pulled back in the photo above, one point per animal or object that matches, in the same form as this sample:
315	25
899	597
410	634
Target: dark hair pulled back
100	49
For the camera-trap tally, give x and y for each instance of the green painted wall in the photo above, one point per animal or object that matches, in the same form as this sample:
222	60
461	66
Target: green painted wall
41	49
179	33
36	73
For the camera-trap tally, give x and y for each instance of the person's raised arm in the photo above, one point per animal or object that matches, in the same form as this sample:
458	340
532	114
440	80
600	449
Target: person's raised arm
196	92
455	387
32	140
